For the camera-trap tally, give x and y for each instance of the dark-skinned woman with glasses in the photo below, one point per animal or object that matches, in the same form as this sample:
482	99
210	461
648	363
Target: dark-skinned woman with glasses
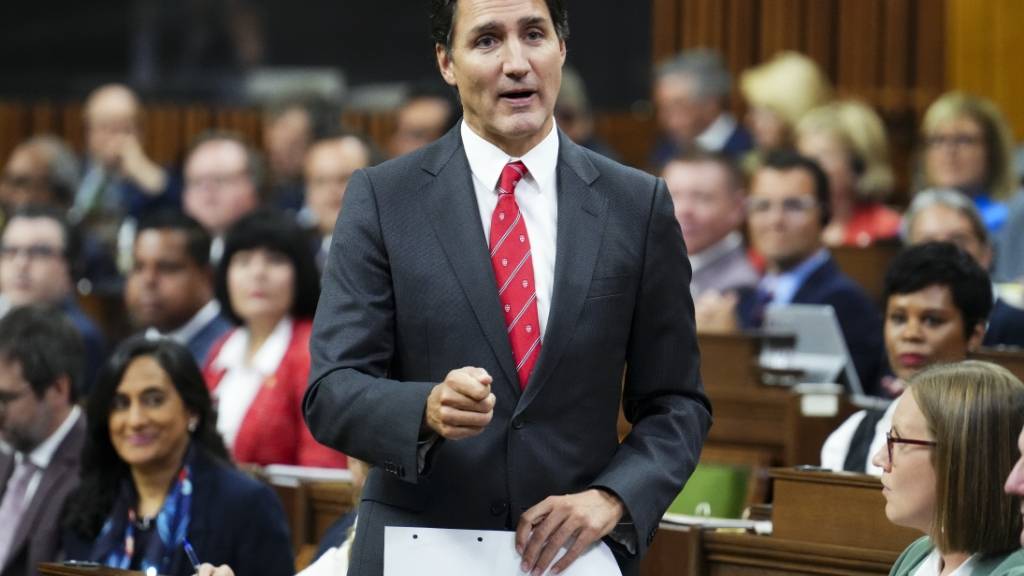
951	446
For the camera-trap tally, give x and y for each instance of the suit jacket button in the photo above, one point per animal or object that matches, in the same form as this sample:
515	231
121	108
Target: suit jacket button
499	507
518	423
650	537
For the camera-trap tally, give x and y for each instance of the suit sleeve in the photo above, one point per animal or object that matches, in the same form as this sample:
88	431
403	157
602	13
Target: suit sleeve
351	404
663	397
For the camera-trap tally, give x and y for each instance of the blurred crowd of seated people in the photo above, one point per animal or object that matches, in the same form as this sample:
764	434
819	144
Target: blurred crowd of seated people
120	418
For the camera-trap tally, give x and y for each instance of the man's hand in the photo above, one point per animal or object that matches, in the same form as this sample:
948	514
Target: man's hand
716	312
461	406
575	521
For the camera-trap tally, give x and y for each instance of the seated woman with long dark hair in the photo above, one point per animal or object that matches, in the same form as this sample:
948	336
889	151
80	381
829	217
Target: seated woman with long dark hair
947	455
155	475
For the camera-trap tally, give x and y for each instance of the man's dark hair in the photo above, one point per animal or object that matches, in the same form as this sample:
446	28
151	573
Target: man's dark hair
737	180
442	20
785	161
943	264
197	239
70	233
272	230
44	342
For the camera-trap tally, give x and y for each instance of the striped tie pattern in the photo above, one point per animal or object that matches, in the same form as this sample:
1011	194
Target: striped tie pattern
513	270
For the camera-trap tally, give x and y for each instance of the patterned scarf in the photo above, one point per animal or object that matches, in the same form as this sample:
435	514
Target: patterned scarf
115	546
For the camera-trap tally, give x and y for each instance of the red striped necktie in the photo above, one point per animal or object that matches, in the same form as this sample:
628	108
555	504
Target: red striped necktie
513	270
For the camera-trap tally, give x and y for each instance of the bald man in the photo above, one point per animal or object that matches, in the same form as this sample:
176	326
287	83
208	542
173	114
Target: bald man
40	170
120	179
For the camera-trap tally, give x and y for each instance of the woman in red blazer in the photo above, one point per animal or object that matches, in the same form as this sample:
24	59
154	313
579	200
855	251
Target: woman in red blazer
268	284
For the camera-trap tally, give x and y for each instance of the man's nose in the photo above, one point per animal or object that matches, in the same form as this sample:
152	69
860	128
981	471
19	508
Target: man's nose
516	62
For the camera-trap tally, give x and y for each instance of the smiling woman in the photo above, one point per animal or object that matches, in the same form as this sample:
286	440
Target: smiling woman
155	475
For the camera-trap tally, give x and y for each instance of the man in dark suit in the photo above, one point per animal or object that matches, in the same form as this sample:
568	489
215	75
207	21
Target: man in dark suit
788	207
691	93
169	291
541	269
41	359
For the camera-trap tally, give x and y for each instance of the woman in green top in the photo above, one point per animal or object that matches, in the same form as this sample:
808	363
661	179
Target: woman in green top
947	456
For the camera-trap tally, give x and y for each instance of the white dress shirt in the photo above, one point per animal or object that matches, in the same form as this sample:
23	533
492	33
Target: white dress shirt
717	134
837	446
932	566
536	194
243	379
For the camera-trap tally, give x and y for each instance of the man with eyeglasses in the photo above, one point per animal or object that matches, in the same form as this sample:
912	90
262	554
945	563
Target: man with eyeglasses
41	359
223	182
37	250
788	208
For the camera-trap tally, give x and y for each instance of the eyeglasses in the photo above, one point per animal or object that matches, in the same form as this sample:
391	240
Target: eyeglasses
890	440
213	180
33	252
955	140
790	206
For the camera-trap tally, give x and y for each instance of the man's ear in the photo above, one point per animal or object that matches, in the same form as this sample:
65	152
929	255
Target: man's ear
62	387
444	63
976	336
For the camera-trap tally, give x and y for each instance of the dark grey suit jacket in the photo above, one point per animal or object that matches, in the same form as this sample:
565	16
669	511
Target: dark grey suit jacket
409	295
38	536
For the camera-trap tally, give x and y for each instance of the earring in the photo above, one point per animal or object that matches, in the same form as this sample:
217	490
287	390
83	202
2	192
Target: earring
193	424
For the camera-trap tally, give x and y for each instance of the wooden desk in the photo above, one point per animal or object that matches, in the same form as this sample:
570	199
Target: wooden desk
751	416
823	523
61	569
1012	360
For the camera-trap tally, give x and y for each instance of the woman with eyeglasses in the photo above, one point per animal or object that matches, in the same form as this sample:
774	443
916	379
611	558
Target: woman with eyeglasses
946	457
968	146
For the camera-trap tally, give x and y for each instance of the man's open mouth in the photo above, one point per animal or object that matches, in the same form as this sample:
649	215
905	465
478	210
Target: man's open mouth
518	95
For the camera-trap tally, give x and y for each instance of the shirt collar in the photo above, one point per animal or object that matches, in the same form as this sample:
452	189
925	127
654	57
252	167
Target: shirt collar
717	134
43	454
486	160
266	359
187	331
724	246
783	287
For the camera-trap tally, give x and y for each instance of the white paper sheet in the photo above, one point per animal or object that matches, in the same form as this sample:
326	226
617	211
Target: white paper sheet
434	551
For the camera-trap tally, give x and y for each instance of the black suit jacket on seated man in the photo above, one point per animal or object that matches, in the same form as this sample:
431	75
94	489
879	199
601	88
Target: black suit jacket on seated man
409	294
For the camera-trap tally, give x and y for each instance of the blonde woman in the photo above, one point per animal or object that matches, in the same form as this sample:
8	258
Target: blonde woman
779	92
945	461
968	146
848	140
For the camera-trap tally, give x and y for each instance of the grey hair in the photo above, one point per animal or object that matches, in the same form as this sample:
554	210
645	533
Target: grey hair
950	198
705	66
62	168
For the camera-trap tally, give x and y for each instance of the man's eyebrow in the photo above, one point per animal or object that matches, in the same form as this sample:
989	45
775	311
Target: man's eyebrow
485	27
493	26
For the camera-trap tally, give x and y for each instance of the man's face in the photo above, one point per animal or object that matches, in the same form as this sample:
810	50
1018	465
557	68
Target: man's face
420	122
329	166
924	328
24	179
784	217
941	223
218	189
286	139
166	287
506	61
707	205
33	265
25	419
681	114
111	118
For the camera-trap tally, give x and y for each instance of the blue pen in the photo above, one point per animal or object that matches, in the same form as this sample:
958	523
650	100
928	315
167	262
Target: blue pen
191	555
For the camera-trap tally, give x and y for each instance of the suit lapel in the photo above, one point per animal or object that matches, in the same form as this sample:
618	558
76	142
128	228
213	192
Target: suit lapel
581	220
62	470
456	217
